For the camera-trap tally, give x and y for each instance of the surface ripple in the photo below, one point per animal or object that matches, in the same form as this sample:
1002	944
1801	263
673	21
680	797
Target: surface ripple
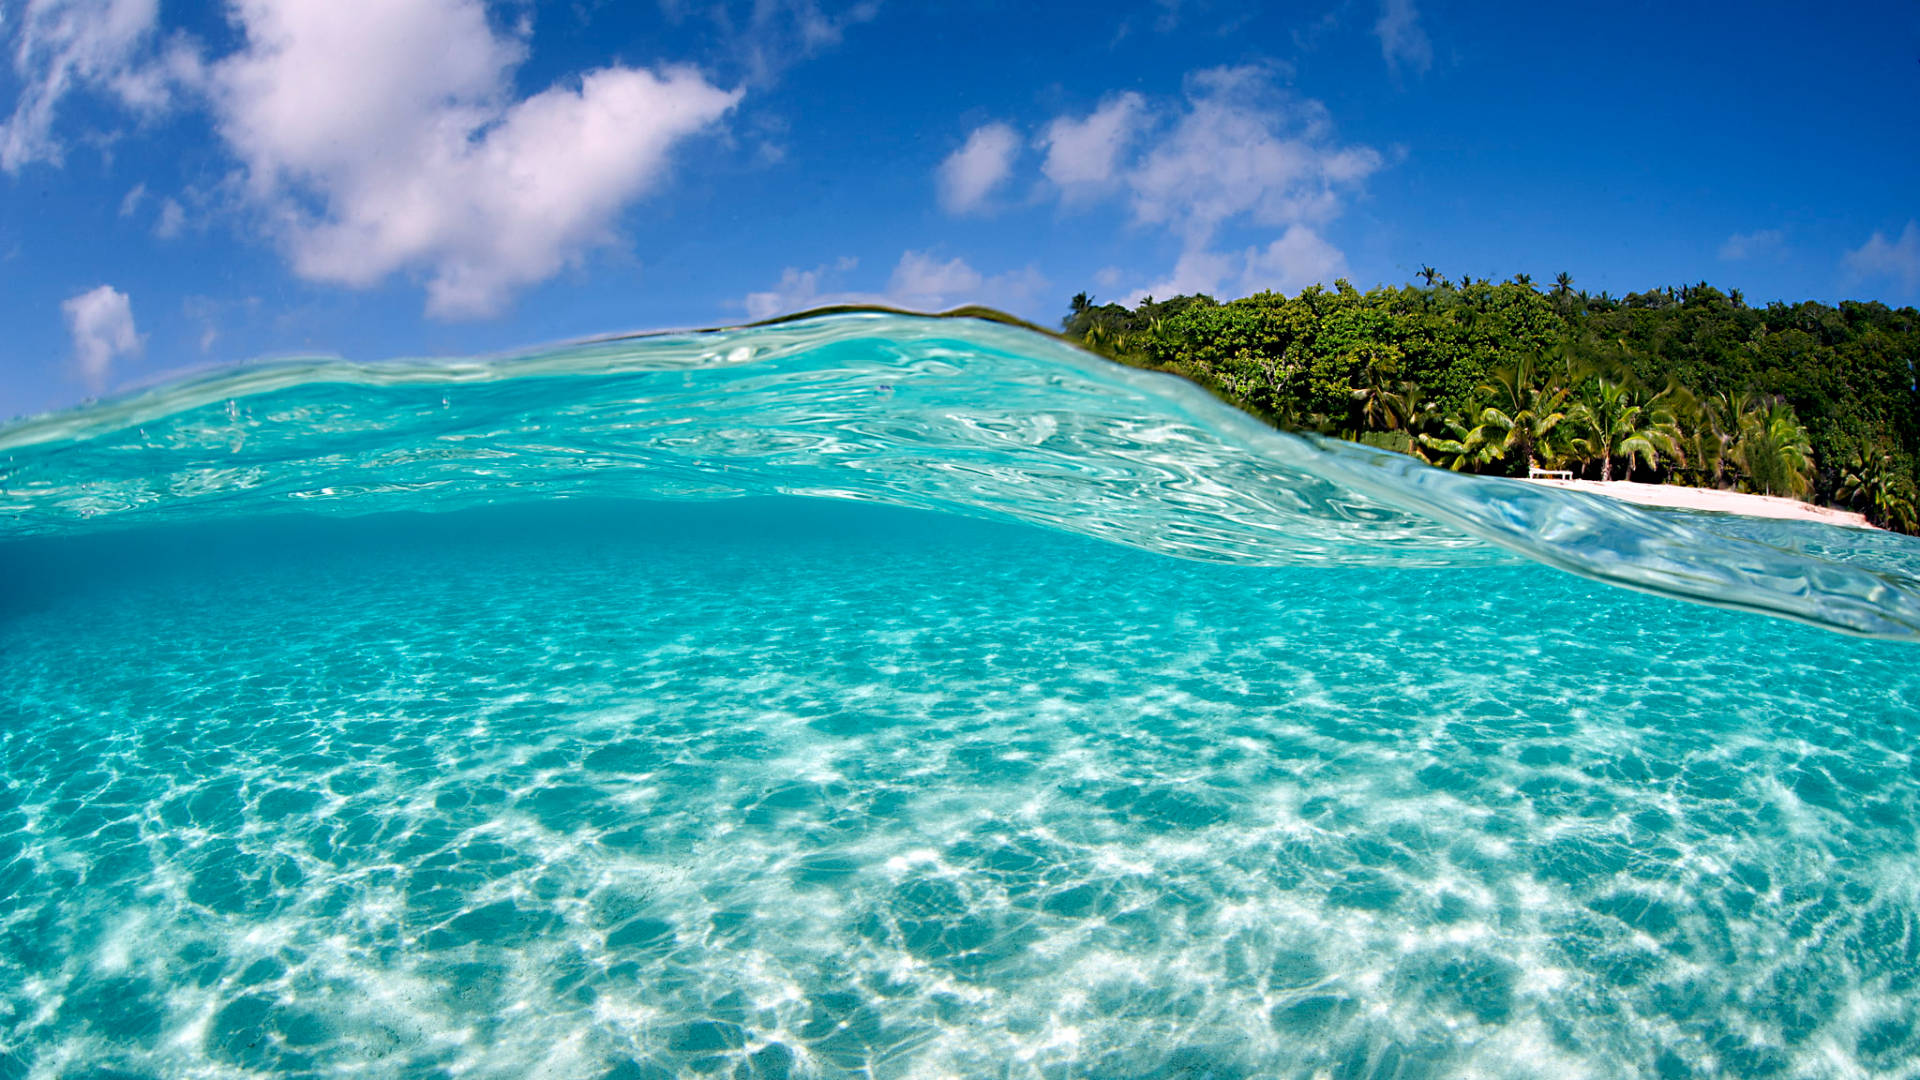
782	788
961	415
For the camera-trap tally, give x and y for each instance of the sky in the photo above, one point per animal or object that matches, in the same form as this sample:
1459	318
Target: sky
188	184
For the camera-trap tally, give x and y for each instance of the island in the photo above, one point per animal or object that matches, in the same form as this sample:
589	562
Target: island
1805	405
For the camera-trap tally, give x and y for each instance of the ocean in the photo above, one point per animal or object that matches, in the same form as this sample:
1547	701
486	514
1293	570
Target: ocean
882	696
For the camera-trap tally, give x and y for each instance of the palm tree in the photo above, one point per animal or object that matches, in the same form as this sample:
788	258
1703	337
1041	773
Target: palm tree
1716	424
1774	451
1369	398
1429	273
1874	484
1408	409
1098	339
1457	448
1562	283
1399	406
1523	279
1702	443
1519	413
1616	419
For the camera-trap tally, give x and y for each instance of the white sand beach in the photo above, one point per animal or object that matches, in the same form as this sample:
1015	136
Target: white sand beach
1727	502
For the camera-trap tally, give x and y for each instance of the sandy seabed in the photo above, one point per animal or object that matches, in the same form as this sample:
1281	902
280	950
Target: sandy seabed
1681	497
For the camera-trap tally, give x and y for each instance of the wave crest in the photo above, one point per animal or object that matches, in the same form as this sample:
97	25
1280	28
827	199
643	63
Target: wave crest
956	414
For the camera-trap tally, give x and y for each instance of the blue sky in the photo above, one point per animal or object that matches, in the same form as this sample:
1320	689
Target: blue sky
184	184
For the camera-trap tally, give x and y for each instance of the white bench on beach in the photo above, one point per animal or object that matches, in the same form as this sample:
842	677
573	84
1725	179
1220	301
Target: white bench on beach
1548	474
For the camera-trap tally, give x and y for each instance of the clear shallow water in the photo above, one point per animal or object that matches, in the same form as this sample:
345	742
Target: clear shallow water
744	788
953	414
814	787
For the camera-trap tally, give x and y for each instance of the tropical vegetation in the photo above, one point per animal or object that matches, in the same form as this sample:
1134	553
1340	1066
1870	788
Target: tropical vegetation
1683	385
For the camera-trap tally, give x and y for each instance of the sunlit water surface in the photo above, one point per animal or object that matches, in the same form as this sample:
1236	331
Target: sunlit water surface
1310	774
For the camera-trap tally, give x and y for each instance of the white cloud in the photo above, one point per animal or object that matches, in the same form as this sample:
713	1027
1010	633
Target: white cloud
173	218
382	135
205	311
1085	154
1300	257
1402	41
799	290
782	31
796	291
920	275
1881	258
923	283
759	39
919	282
1235	152
105	47
1240	150
970	174
1753	245
1195	272
101	322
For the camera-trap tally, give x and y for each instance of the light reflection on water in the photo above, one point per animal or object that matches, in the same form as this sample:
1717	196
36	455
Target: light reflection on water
784	788
958	415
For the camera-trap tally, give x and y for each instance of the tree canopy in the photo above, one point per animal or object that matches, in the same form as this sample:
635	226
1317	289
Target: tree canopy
1687	385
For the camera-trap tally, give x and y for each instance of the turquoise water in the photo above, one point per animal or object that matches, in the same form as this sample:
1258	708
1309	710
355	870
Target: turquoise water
913	699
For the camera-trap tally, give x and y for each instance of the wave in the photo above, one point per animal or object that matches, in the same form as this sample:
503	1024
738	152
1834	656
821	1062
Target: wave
958	414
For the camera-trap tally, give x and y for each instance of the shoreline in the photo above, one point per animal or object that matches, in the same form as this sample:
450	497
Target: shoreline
1680	497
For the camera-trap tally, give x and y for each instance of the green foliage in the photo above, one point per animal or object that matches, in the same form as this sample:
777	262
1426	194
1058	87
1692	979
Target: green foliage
1774	451
1617	418
1877	486
1520	414
1685	384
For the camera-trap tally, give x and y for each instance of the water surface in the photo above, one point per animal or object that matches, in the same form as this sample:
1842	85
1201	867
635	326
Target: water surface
1128	741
